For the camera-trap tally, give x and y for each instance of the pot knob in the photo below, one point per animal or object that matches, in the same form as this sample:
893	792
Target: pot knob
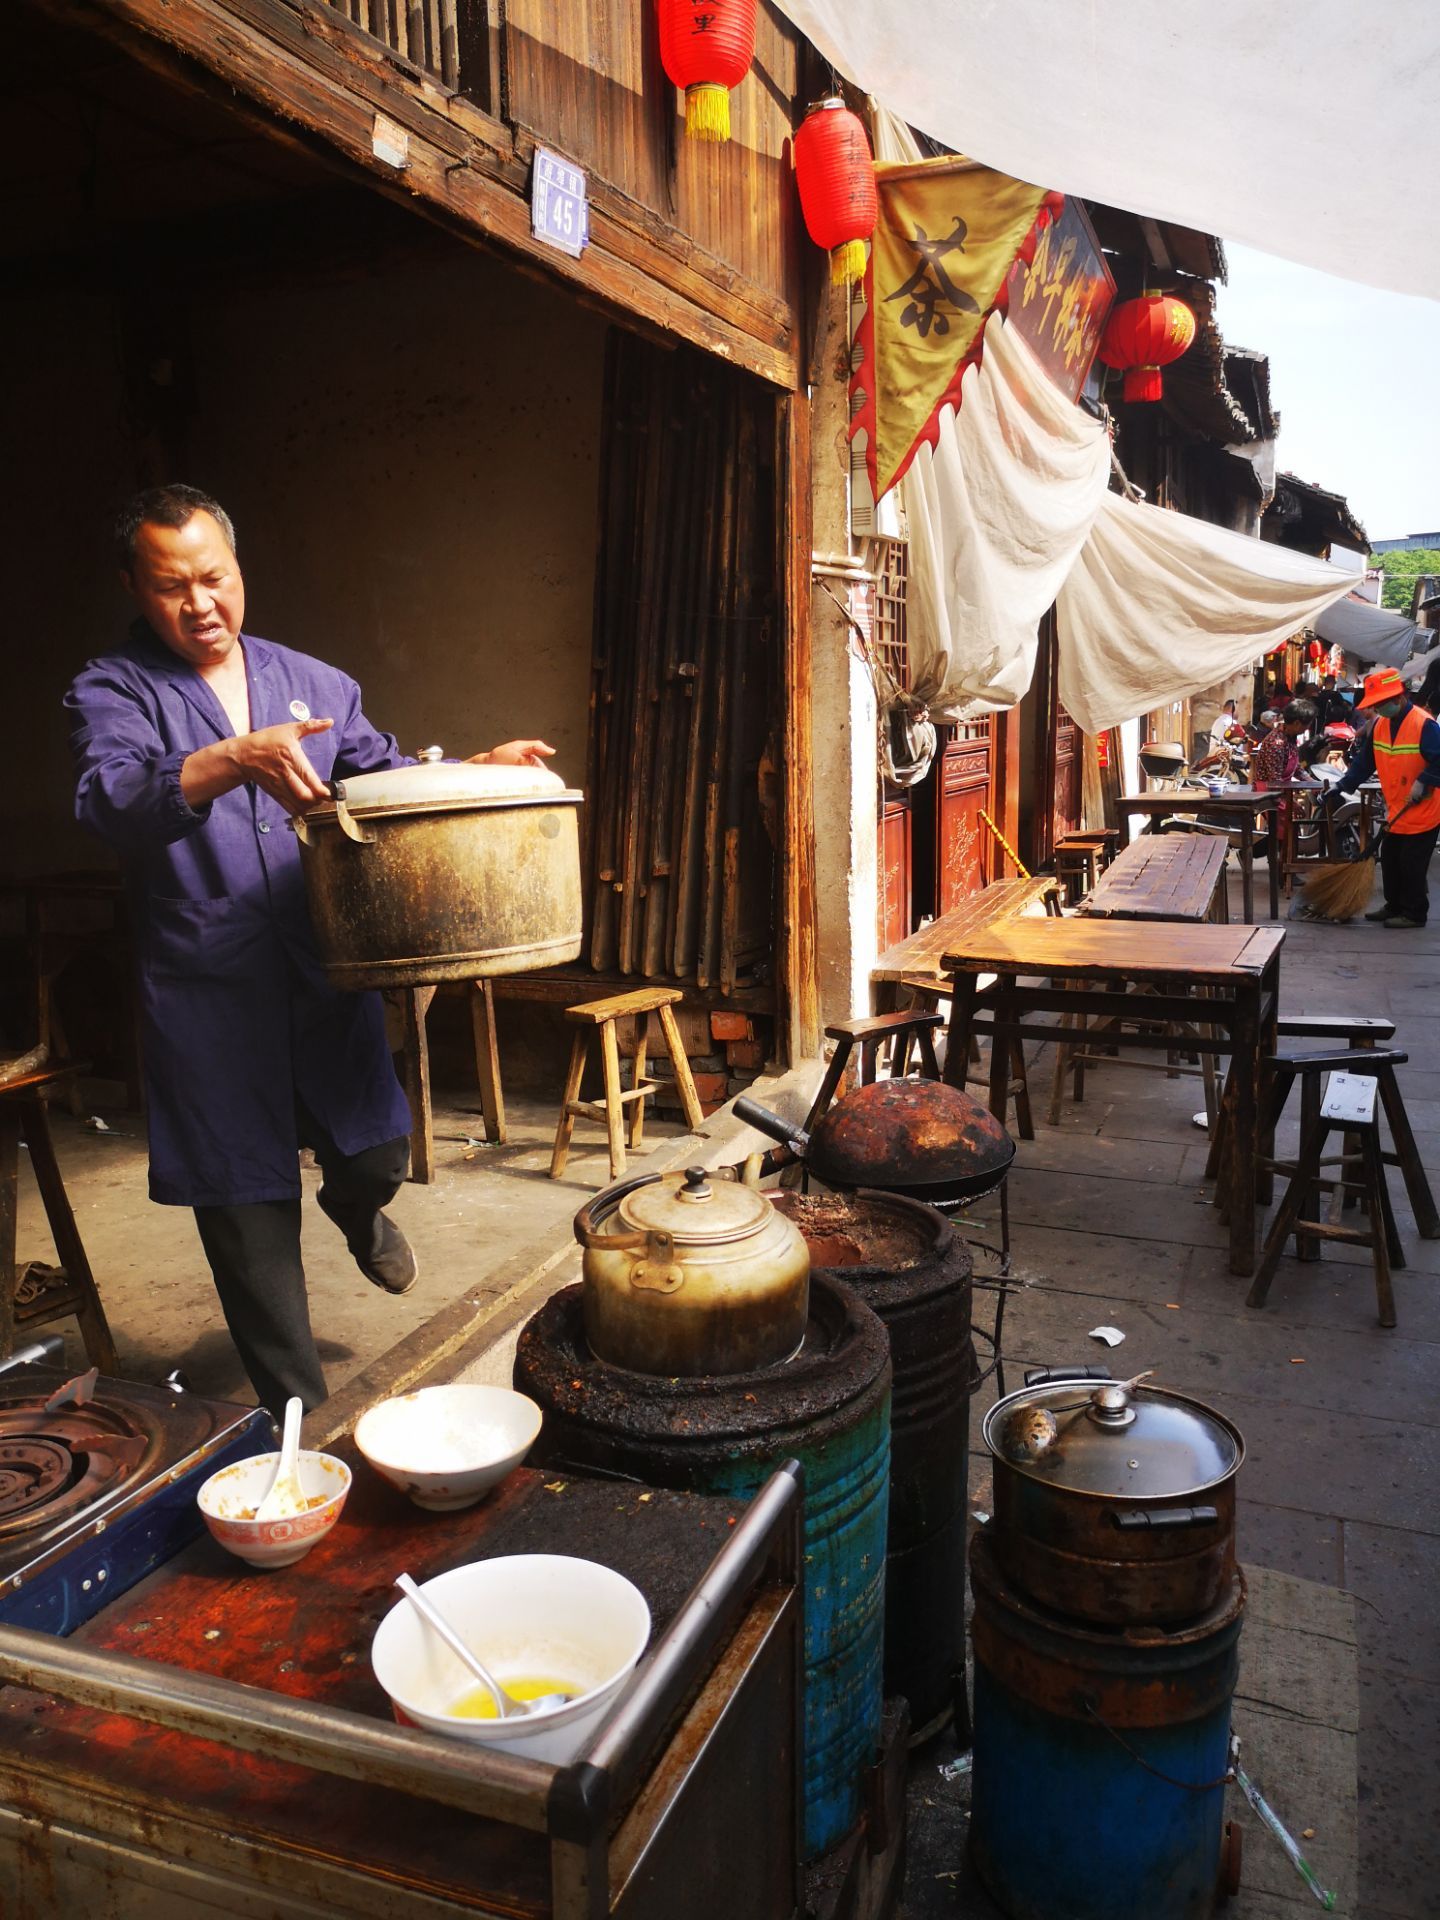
431	755
697	1188
1110	1406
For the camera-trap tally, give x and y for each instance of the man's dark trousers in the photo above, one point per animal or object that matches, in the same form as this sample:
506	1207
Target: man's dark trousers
1404	866
254	1254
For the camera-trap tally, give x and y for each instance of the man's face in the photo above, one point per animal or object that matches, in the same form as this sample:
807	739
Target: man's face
1389	709
186	582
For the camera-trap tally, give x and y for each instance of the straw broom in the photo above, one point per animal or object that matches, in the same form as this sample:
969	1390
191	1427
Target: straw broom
1342	889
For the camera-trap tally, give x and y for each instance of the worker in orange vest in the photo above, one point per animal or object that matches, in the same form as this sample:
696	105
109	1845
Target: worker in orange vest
1403	748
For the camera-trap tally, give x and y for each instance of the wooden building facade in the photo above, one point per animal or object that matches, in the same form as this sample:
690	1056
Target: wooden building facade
284	250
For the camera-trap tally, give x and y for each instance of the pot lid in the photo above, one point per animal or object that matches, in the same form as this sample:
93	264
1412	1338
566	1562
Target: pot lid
908	1133
437	782
1116	1439
698	1208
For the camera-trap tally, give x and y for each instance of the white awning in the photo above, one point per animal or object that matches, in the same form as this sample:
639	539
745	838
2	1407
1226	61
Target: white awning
1373	634
1161	606
1228	117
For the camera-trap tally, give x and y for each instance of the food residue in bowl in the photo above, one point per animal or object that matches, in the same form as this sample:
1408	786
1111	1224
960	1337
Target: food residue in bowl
478	1703
315	1500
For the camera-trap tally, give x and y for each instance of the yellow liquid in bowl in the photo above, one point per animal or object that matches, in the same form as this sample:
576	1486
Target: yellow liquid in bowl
478	1703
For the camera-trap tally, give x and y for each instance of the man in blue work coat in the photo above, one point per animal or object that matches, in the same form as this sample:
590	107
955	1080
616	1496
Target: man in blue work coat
194	745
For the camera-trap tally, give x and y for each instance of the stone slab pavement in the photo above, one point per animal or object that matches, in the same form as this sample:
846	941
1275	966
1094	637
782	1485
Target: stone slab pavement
1339	1496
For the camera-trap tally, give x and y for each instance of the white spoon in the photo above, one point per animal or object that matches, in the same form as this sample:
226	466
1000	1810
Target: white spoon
506	1705
286	1497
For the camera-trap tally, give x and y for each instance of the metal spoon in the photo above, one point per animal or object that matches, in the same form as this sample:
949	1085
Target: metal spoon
506	1705
285	1497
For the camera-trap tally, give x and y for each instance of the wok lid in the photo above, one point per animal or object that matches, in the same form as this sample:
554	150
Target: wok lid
910	1134
1115	1439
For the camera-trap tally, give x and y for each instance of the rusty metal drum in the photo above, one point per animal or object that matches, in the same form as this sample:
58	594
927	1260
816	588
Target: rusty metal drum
828	1408
913	1267
443	872
1100	1757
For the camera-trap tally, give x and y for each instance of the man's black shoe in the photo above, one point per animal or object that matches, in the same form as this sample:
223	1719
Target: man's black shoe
390	1261
1379	913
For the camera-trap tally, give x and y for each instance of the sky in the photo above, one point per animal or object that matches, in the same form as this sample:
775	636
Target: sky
1355	378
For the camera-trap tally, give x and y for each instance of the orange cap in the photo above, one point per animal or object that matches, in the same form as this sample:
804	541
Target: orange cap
1384	684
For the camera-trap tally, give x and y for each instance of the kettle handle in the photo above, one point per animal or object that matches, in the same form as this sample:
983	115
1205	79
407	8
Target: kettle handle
587	1220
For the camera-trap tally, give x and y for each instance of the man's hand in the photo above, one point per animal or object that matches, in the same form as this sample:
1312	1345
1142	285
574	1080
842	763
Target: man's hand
272	759
514	753
1418	792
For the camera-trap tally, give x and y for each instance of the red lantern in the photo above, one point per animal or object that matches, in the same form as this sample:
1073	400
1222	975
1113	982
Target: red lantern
835	173
1144	335
706	47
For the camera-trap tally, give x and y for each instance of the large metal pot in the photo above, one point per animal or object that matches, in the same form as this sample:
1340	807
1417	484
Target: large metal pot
921	1138
693	1273
1113	1502
443	872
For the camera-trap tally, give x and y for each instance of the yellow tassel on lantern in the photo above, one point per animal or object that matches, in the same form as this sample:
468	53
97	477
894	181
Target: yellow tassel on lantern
707	112
847	263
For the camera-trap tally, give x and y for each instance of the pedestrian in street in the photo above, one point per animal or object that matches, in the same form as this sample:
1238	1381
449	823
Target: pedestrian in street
194	744
1403	749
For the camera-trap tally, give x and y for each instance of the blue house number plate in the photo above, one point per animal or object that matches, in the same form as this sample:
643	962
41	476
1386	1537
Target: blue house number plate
559	212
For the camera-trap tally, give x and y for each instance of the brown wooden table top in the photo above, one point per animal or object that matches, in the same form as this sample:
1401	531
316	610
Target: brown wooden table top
921	952
1166	876
1159	949
1191	800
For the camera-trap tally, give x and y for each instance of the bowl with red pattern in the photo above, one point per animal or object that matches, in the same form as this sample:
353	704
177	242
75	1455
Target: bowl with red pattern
229	1498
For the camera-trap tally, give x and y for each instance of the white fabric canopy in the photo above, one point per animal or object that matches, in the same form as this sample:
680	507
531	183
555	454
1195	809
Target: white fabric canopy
1371	633
1221	117
997	512
1160	606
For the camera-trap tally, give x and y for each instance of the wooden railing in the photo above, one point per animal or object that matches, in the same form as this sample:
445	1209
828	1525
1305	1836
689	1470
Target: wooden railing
424	32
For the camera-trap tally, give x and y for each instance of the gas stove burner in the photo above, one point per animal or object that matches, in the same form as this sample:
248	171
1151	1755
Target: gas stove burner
52	1464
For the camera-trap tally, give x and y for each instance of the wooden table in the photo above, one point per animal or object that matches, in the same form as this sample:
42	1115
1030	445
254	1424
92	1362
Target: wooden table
918	958
1167	876
1246	805
1087	966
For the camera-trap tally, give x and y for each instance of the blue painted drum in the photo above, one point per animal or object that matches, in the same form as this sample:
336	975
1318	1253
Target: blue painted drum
828	1408
1097	1789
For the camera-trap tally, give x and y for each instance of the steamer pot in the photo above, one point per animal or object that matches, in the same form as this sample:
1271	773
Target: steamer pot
693	1273
1113	1503
443	872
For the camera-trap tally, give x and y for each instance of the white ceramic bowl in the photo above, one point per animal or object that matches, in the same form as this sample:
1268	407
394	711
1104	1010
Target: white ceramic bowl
527	1616
448	1446
229	1498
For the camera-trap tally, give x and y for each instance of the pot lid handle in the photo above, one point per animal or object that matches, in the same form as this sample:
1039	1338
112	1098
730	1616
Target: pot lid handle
1110	1404
431	755
697	1188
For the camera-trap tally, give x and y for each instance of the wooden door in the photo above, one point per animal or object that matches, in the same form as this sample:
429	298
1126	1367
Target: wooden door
895	870
1069	773
963	860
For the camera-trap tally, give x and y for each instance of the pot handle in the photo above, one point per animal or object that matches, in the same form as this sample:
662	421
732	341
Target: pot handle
1041	1376
1165	1519
587	1220
764	1121
348	824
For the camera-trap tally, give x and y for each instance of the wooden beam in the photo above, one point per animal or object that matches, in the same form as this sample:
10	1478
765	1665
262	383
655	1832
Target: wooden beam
797	934
313	77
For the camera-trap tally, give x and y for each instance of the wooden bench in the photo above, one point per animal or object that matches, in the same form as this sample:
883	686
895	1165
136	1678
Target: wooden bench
914	964
638	1005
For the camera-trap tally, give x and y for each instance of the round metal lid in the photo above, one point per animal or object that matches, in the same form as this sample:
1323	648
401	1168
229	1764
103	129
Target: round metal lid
436	782
1113	1438
700	1209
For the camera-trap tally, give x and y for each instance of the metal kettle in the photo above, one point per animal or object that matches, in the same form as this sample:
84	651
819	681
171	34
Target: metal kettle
691	1273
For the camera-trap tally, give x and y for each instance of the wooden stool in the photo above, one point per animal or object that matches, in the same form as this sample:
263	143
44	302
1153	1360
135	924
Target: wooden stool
70	1288
1098	1045
1348	1106
1080	859
603	1014
1359	1032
